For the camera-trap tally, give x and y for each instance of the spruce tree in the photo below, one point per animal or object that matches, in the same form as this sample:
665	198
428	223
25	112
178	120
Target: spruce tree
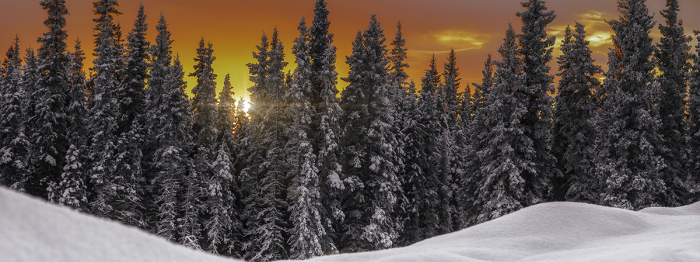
453	141
505	153
131	95
371	160
535	48
225	115
629	141
574	131
204	102
475	133
219	199
692	131
102	122
47	126
307	232
267	204
672	59
14	143
71	190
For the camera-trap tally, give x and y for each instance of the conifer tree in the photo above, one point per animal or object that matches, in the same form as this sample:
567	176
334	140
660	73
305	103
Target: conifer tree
371	162
475	133
505	152
672	58
536	52
14	143
128	178
131	95
325	126
157	94
71	190
630	144
267	204
48	124
225	115
574	130
218	202
423	184
204	102
102	123
693	124
307	232
454	142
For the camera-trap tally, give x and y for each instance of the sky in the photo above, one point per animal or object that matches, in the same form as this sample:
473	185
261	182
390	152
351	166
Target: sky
473	28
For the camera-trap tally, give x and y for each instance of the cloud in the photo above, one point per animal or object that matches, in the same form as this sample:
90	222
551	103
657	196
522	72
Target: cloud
461	39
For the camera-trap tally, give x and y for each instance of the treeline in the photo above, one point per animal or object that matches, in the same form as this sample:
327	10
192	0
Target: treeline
304	173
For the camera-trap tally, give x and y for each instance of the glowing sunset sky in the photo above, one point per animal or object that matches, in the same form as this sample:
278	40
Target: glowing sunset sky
473	28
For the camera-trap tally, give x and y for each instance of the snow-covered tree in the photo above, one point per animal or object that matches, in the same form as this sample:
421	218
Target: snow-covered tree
535	49
573	133
266	205
370	157
14	143
131	96
204	103
673	62
693	124
475	133
47	126
629	142
127	177
71	189
505	152
325	126
307	231
225	115
218	203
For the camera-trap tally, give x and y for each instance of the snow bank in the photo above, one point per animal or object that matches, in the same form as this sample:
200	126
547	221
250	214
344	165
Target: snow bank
561	232
34	231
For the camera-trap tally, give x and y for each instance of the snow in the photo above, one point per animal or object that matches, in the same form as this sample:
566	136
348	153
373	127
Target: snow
560	232
33	230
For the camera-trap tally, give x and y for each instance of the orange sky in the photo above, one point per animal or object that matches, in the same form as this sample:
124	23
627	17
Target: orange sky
472	27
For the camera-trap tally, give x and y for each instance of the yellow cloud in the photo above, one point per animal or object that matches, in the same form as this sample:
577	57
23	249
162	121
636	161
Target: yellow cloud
599	38
461	38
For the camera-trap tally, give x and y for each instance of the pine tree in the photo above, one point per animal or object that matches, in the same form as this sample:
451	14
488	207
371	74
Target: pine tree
453	141
630	144
505	152
218	202
692	124
423	182
128	177
47	126
325	126
307	232
267	204
225	115
536	52
204	102
102	121
14	143
673	57
475	133
574	131
370	146
131	95
71	190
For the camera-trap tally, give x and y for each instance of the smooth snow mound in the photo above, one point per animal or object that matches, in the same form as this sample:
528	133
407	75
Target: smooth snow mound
560	231
32	230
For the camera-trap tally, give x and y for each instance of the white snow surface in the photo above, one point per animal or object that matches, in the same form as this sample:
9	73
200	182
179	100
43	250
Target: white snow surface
32	230
560	231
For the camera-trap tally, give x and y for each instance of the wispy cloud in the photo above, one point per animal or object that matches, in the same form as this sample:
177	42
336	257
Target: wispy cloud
462	40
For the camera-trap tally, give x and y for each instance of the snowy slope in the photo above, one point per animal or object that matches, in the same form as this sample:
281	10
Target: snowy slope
34	231
561	232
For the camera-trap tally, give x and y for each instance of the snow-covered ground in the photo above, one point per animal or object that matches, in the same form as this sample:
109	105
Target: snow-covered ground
561	232
34	231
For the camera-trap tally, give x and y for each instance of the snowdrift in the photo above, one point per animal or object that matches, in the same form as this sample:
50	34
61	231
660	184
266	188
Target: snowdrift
560	232
32	230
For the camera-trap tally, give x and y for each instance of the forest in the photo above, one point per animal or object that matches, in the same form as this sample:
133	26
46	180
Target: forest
311	170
